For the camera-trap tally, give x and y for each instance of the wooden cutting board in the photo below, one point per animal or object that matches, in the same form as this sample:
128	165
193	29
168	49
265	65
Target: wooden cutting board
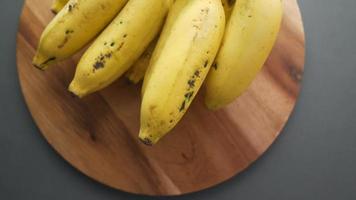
98	134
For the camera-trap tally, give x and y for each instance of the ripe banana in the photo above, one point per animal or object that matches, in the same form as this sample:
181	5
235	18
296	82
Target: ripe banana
249	38
74	26
58	5
185	53
138	70
136	73
174	12
119	46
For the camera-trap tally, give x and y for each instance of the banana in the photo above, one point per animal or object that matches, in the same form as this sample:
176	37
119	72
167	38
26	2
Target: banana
249	38
138	70
119	46
185	53
58	5
74	26
136	73
174	12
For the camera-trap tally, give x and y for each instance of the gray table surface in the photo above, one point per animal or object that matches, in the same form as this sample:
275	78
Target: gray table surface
313	159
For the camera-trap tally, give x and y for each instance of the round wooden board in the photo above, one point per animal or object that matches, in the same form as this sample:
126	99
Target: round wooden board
98	134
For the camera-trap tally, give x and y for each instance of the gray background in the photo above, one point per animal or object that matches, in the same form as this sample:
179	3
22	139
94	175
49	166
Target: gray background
314	158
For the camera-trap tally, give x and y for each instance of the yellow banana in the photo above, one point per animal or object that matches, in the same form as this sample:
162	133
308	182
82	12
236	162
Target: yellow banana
185	53
138	70
174	13
136	73
119	46
249	38
74	26
58	5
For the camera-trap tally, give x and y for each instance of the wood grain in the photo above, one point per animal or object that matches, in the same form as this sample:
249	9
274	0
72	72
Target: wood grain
98	135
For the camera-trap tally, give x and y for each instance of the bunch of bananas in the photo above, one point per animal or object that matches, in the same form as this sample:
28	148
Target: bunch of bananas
173	45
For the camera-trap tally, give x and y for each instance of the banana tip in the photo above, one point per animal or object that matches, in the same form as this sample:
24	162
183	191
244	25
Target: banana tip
74	93
42	62
146	141
146	138
39	67
54	11
130	81
211	106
